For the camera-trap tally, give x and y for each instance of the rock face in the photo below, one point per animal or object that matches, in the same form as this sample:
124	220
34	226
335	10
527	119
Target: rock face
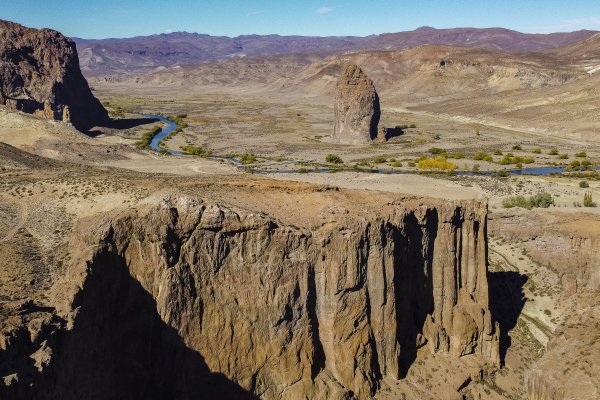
39	74
356	107
187	299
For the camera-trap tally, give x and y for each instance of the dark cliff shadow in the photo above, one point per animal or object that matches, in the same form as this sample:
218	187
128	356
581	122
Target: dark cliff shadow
119	124
506	303
119	348
413	284
391	133
127	123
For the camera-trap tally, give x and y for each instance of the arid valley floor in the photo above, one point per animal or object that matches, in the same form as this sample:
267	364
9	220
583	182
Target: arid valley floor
73	203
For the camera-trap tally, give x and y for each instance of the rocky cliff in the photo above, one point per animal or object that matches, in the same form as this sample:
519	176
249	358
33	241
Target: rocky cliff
39	73
186	298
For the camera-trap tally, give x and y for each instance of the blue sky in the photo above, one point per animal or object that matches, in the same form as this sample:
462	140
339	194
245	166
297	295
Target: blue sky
125	18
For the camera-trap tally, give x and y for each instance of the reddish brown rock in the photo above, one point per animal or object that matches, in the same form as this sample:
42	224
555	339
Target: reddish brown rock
356	107
39	73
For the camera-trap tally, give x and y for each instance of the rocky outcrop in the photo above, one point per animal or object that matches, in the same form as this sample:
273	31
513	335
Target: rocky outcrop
39	74
356	107
185	298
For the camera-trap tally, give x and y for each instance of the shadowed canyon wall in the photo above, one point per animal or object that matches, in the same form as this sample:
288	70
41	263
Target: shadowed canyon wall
186	299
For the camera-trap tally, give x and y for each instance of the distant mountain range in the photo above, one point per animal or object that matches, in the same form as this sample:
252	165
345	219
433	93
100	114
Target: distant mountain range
107	56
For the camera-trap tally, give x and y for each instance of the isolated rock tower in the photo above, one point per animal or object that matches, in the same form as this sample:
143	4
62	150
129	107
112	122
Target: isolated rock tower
356	107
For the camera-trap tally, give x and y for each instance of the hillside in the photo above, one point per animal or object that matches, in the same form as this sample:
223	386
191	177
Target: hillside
108	56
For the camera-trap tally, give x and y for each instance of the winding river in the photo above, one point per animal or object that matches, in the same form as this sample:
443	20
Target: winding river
172	126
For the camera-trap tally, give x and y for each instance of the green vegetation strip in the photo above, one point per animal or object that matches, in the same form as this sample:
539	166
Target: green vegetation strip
146	139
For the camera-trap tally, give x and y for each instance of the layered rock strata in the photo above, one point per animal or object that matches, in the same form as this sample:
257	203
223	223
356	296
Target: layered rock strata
187	298
39	74
356	107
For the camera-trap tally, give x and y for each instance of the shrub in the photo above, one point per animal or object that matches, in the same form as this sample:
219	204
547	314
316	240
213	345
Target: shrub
528	160
581	154
439	162
303	170
498	152
436	151
502	173
247	158
483	156
333	159
412	164
563	156
553	152
584	184
457	156
517	147
587	200
437	136
476	167
540	200
413	126
379	160
195	151
536	151
397	164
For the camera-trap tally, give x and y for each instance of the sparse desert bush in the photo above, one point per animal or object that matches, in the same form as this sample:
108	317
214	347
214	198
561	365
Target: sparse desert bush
581	154
540	200
333	159
412	164
406	126
553	152
536	151
436	151
457	156
497	152
587	200
303	170
563	156
528	160
476	168
438	162
501	174
247	158
195	151
379	160
517	147
397	164
584	184
483	157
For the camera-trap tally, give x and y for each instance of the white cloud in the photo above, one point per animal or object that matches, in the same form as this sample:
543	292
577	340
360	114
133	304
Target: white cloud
324	10
570	25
